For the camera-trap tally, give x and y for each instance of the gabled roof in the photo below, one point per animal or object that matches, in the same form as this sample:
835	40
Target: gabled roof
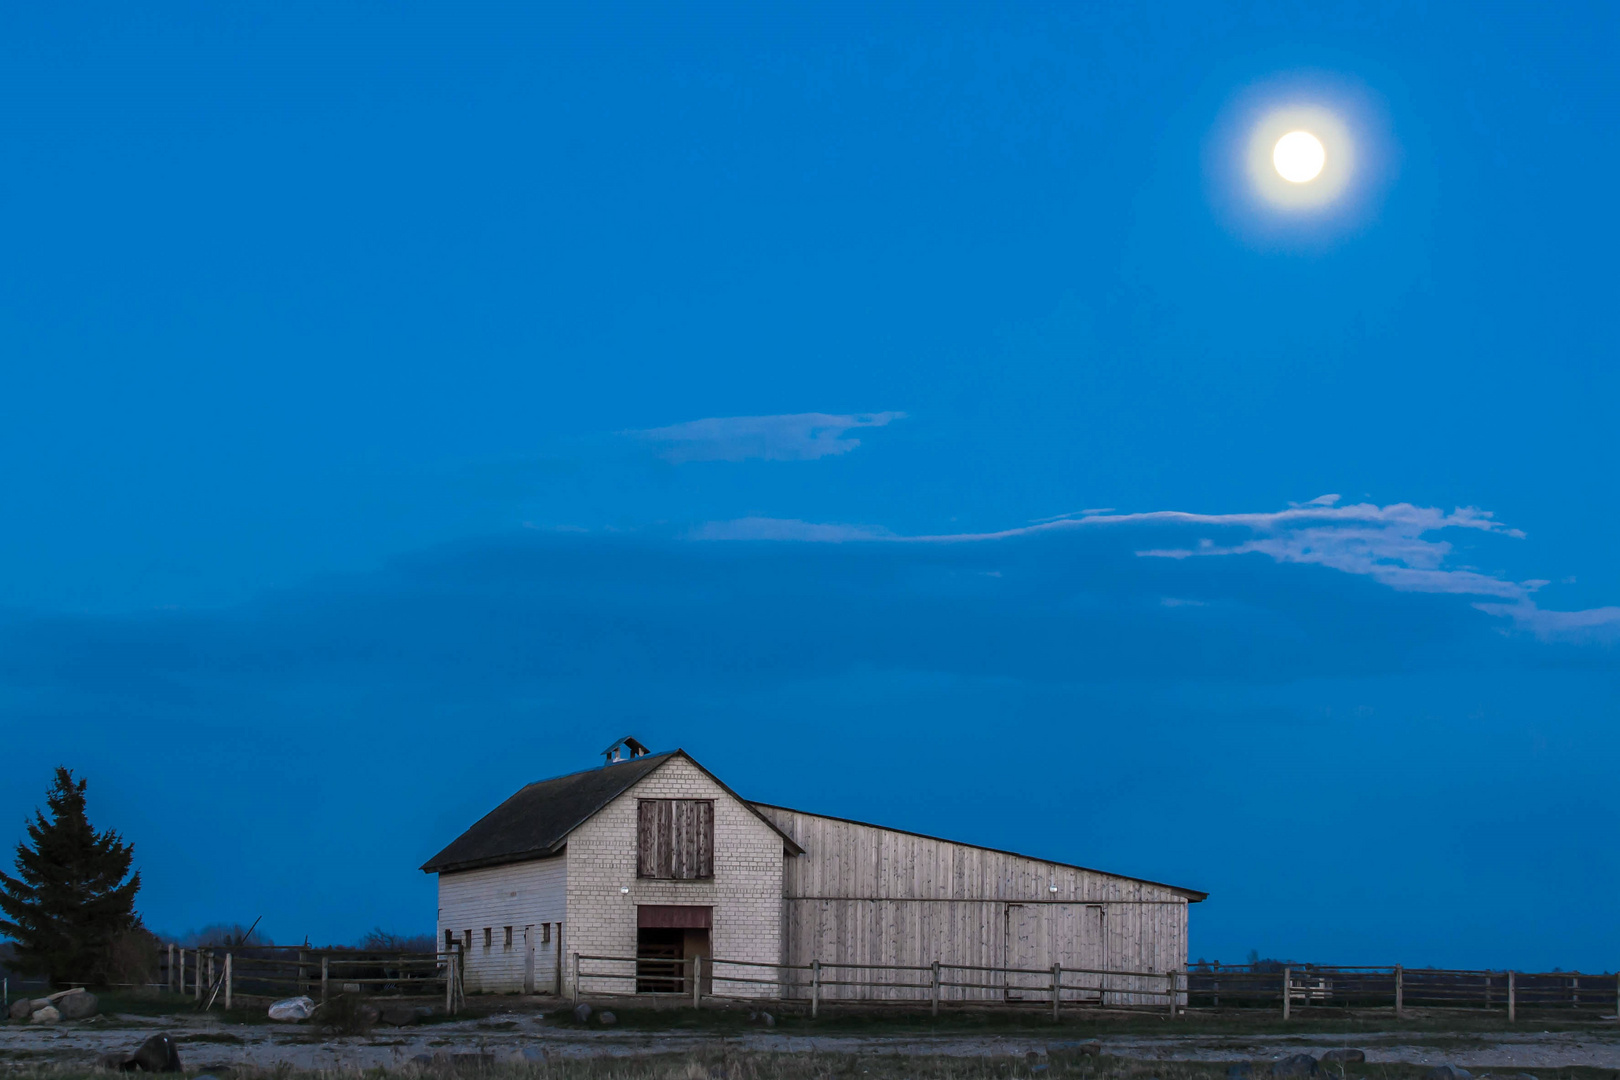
535	822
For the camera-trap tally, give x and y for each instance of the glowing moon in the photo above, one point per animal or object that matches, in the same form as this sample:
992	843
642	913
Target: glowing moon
1298	157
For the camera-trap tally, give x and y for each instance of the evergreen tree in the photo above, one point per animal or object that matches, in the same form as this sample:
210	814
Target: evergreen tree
69	901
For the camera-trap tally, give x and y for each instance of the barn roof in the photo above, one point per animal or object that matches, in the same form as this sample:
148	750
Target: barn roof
535	822
1193	895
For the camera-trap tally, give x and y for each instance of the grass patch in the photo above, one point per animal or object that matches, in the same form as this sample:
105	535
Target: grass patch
719	1065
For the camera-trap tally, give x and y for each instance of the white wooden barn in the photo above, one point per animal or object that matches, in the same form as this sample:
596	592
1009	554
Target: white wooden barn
652	856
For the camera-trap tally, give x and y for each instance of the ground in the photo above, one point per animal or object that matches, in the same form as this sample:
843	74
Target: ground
535	1036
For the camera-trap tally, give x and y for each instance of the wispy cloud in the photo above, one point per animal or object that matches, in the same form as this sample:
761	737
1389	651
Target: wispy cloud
791	437
763	528
1400	546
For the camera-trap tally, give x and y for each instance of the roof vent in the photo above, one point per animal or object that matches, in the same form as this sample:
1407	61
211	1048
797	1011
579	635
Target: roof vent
626	749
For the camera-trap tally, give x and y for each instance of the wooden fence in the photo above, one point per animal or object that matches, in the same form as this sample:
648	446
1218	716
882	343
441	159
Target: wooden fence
1289	990
704	979
220	975
1313	986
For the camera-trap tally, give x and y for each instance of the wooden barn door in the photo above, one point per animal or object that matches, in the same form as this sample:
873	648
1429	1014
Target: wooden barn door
1028	948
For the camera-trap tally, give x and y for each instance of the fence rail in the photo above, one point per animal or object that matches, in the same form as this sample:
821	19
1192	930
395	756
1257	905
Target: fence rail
1289	989
220	975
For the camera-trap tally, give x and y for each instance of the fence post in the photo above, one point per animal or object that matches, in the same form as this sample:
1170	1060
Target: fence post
576	978
325	973
210	978
697	982
1288	978
1512	1003
1057	989
229	981
170	979
449	981
1170	980
933	991
815	988
1400	993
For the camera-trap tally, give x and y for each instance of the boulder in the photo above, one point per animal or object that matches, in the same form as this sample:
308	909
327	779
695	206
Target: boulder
1090	1048
1345	1056
21	1008
46	1015
78	1005
157	1054
582	1012
606	1019
399	1014
1294	1065
292	1010
767	1019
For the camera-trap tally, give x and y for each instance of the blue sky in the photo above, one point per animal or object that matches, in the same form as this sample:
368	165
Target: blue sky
911	411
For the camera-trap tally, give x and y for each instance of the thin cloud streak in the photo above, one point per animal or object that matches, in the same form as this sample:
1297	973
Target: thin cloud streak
790	437
1391	545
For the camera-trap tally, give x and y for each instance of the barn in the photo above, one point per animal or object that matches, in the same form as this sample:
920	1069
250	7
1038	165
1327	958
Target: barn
652	856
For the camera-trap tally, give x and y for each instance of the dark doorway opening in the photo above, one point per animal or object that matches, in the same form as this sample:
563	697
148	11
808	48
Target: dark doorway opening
664	959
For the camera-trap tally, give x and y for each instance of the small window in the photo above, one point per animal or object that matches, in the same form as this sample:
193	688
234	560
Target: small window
449	939
489	937
675	838
545	933
508	937
466	939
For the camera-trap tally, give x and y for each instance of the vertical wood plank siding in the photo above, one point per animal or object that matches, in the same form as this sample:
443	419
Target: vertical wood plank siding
862	894
675	838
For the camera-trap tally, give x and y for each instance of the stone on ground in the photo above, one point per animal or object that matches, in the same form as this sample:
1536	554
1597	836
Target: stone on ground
582	1012
21	1008
157	1054
78	1005
46	1015
607	1018
1345	1055
1295	1065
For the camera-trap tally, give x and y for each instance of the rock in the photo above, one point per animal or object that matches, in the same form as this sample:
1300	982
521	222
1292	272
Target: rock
770	1021
1294	1065
398	1014
157	1054
1345	1055
78	1005
47	1015
606	1018
21	1008
582	1012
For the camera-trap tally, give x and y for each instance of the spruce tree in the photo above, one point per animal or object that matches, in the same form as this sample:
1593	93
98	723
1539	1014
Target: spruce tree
70	899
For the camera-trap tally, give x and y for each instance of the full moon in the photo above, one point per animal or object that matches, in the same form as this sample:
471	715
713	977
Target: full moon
1299	157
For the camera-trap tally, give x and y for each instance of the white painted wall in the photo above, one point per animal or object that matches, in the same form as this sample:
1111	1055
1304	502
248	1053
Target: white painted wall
520	895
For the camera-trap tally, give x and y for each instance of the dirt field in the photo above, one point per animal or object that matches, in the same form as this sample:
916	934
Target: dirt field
519	1032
